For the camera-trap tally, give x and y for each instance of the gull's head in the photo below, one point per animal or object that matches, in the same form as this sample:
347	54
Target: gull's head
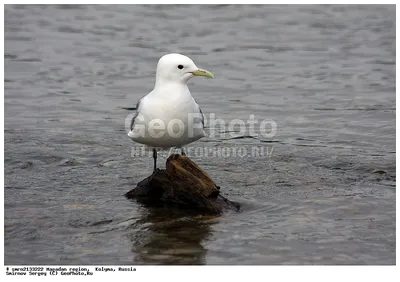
178	68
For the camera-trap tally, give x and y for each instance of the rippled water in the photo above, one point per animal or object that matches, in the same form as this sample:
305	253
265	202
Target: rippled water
324	193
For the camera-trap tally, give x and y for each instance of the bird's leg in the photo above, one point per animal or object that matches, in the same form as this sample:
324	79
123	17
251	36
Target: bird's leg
155	159
182	151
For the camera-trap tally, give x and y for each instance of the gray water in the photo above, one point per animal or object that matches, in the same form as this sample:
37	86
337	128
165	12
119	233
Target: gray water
324	193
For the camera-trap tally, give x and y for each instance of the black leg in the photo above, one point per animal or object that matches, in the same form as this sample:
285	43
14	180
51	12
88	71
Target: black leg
155	159
183	152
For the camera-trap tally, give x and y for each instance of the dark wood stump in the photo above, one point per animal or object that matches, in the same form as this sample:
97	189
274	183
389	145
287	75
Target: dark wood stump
184	184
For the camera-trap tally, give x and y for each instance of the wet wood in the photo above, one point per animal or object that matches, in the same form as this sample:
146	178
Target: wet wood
184	184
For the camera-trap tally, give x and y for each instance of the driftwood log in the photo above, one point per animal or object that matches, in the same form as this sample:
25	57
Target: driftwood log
182	184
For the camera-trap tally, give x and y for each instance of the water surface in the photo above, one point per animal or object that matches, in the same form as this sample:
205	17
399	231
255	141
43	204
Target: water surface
324	194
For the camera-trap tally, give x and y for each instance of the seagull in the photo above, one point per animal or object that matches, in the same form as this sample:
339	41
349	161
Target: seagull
169	116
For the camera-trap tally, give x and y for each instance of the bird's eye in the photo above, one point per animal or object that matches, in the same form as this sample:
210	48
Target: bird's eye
180	67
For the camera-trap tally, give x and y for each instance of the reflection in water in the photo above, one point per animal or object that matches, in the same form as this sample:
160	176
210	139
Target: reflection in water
168	236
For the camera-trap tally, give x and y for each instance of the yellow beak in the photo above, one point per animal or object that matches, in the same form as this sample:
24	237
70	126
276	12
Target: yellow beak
205	73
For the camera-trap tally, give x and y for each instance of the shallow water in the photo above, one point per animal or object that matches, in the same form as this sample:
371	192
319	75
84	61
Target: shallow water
323	191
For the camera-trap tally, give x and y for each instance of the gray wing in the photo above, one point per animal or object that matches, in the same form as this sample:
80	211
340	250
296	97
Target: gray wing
136	114
202	116
201	112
